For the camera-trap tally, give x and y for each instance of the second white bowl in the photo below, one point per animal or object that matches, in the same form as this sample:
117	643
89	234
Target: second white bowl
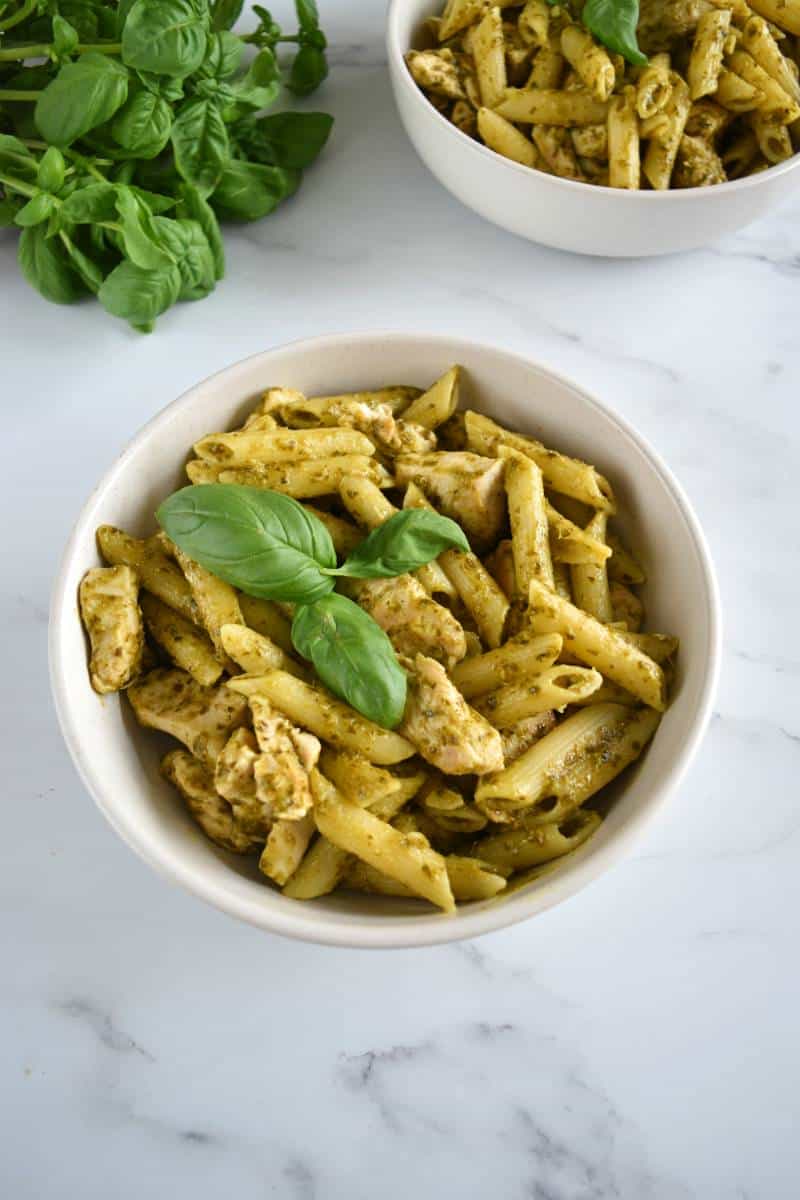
560	212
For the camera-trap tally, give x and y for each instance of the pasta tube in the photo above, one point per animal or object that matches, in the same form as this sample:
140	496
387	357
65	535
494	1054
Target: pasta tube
561	473
408	858
519	658
555	687
598	646
521	848
313	708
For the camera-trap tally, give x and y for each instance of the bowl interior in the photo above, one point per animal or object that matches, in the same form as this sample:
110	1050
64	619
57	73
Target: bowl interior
119	761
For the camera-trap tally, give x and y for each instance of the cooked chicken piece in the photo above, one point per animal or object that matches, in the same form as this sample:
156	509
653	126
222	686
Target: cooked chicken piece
110	610
664	22
465	486
213	814
446	731
234	779
281	770
435	71
203	718
520	737
414	622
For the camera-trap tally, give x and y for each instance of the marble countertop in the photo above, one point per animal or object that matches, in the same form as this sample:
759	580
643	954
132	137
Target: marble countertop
641	1040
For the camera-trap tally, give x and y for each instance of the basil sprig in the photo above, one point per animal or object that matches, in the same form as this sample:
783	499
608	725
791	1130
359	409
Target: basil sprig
129	129
268	545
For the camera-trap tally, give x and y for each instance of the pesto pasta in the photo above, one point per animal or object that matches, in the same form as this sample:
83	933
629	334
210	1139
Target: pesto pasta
709	93
527	683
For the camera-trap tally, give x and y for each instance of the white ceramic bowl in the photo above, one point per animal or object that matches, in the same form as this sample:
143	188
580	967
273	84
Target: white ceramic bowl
119	761
560	212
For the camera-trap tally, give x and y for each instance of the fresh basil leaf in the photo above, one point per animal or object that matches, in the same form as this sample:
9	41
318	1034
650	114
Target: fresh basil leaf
249	191
16	159
82	96
155	202
200	144
190	249
162	85
167	37
223	56
92	204
138	295
292	139
225	13
87	270
308	70
46	268
196	265
261	83
307	14
52	169
613	23
196	208
260	541
139	235
96	202
65	37
124	9
406	541
142	126
38	210
353	657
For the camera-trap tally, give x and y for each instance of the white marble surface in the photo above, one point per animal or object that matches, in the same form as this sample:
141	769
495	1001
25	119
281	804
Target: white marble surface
638	1042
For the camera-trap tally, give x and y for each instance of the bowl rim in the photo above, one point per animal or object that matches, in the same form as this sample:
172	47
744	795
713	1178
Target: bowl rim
298	920
395	54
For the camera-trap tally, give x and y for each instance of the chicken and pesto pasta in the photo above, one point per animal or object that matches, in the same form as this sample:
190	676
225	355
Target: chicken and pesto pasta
398	647
672	94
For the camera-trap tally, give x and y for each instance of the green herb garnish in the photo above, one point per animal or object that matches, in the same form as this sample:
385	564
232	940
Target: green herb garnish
268	545
120	154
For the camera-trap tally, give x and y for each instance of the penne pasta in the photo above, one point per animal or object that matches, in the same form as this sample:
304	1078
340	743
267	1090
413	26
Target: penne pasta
313	708
504	138
553	688
662	149
488	51
527	512
590	60
561	473
569	765
408	858
705	60
187	645
519	658
598	646
157	573
541	106
245	448
589	581
624	167
481	596
438	404
521	848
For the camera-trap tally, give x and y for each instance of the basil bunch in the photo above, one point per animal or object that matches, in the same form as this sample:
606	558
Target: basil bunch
613	23
268	545
143	129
